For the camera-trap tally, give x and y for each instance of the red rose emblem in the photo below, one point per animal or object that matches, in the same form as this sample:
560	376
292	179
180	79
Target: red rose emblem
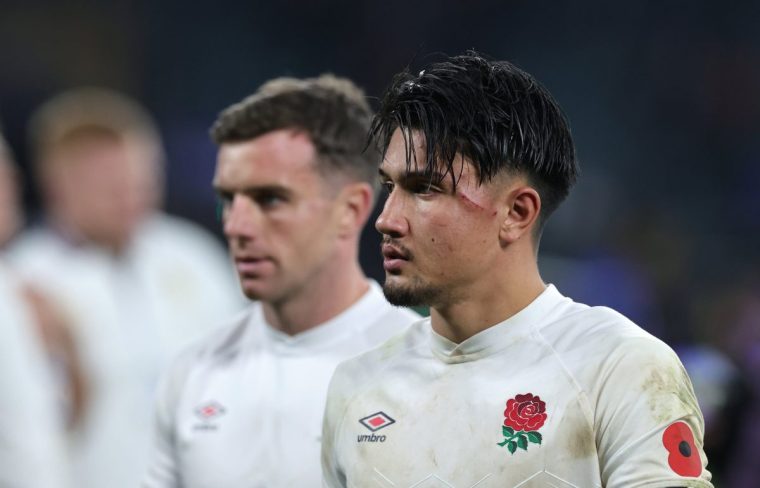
525	412
683	456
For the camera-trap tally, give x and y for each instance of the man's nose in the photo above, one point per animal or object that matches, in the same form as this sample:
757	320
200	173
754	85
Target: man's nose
241	217
392	221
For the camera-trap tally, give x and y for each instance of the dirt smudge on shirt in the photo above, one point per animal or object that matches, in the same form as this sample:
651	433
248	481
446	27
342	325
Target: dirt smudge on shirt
579	440
667	396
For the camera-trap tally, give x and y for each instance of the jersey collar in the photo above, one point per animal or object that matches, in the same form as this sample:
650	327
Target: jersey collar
497	336
326	333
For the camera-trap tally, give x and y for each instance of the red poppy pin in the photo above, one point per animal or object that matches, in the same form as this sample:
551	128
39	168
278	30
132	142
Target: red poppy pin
683	456
524	415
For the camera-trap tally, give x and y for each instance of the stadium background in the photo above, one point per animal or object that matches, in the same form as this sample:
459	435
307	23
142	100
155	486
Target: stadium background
662	97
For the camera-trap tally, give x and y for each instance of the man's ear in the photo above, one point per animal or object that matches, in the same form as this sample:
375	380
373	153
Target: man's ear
523	205
356	202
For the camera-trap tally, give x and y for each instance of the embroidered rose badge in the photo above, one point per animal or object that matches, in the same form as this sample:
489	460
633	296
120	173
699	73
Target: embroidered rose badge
524	415
683	456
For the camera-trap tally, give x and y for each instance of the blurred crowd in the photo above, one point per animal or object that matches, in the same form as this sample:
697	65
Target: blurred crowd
97	297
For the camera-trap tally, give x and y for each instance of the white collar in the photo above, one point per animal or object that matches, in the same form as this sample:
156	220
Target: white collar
356	316
497	336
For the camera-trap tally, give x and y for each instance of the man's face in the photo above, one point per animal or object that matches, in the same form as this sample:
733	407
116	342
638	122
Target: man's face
103	187
279	214
437	243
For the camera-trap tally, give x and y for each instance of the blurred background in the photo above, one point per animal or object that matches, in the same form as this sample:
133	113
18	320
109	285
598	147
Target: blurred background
662	97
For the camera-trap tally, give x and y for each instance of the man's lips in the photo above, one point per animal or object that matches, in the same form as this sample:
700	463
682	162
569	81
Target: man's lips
394	257
250	265
394	252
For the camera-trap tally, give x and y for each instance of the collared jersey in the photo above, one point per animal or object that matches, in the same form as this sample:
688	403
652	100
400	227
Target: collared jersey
244	408
560	394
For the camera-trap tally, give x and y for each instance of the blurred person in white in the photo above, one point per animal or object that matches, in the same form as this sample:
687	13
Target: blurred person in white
134	283
243	408
32	452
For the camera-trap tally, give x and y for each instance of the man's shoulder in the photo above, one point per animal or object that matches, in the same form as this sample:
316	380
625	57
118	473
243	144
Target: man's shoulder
399	314
581	326
221	344
598	345
386	322
365	368
34	245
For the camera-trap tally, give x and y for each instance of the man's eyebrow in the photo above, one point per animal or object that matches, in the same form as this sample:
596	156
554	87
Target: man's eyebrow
252	190
415	175
431	176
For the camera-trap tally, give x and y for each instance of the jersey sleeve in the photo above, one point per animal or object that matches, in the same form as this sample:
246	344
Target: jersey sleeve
163	470
648	425
333	475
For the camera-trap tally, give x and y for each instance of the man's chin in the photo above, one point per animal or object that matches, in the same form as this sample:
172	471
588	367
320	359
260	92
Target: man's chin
251	294
407	294
256	290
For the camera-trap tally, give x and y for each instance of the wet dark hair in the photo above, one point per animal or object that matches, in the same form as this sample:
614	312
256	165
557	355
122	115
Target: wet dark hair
332	111
490	112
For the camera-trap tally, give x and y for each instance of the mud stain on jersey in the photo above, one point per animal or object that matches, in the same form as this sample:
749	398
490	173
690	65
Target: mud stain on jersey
579	441
433	458
666	392
581	444
392	346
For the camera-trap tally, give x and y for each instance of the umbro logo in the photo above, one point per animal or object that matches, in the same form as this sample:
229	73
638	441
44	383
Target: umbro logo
210	411
207	413
375	422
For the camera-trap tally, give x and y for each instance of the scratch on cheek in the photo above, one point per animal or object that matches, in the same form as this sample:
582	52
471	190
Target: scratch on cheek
471	204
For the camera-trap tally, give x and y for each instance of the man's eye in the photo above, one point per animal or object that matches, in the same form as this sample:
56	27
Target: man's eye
387	186
269	200
422	188
223	203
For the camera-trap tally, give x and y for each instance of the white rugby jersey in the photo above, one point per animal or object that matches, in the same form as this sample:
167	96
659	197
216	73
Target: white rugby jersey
558	395
244	408
31	431
129	318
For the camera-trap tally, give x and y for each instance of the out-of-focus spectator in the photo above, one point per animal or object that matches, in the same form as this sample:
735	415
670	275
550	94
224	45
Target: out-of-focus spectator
31	430
134	283
49	323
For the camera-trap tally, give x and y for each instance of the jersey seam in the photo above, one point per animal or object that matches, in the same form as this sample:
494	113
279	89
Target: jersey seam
587	410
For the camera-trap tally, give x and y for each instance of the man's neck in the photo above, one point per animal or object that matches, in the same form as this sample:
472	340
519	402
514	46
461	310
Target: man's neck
324	298
489	305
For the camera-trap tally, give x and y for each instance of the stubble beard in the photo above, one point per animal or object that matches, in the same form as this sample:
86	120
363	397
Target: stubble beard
417	293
